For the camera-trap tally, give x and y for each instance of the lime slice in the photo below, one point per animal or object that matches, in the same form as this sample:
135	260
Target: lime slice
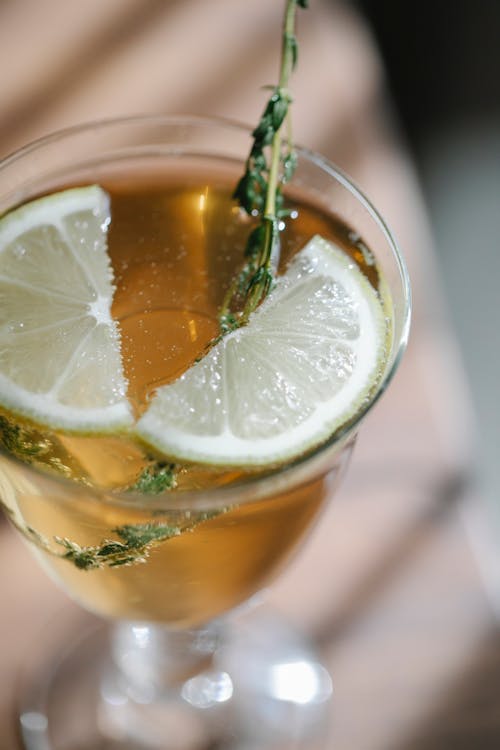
301	368
60	359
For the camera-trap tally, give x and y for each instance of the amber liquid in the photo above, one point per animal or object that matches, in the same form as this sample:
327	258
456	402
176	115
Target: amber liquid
175	243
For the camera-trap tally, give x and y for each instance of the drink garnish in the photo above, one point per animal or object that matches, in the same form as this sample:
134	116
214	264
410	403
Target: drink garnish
20	442
259	191
155	478
60	363
298	371
133	545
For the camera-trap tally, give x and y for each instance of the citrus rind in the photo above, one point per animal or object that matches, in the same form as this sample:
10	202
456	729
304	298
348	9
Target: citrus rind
60	362
304	365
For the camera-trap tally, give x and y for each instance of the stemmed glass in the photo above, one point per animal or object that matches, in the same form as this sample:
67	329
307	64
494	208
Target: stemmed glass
184	664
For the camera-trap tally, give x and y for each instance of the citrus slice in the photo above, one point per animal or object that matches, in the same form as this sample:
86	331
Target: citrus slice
60	359
300	369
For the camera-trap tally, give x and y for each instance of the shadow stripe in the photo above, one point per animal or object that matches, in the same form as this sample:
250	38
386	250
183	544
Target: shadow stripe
105	44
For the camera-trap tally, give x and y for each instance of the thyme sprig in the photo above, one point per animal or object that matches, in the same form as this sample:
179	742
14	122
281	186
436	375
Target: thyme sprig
156	478
20	441
133	545
270	165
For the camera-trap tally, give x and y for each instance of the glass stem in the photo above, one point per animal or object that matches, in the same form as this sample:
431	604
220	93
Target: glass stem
152	660
158	685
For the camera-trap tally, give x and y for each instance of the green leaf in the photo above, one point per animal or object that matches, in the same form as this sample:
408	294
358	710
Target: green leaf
155	479
265	126
137	536
246	195
85	558
294	48
279	108
289	165
254	242
259	161
19	441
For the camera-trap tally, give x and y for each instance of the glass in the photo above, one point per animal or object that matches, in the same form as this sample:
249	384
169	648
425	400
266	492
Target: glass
180	672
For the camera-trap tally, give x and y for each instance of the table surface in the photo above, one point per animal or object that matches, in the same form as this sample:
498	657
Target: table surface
395	585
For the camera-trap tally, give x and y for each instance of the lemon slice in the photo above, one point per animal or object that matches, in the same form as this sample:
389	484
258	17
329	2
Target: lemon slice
60	359
300	369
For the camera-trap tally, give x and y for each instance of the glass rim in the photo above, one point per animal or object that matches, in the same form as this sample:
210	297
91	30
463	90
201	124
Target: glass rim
294	472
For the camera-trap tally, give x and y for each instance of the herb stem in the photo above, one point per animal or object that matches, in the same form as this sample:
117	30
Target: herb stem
259	190
288	52
270	209
285	72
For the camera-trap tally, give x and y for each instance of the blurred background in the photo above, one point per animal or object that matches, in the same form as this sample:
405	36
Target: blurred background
399	586
443	66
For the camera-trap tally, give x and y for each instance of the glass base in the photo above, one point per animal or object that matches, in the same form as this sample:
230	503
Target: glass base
260	688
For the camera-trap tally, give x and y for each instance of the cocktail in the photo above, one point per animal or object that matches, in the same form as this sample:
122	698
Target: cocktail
161	468
186	356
